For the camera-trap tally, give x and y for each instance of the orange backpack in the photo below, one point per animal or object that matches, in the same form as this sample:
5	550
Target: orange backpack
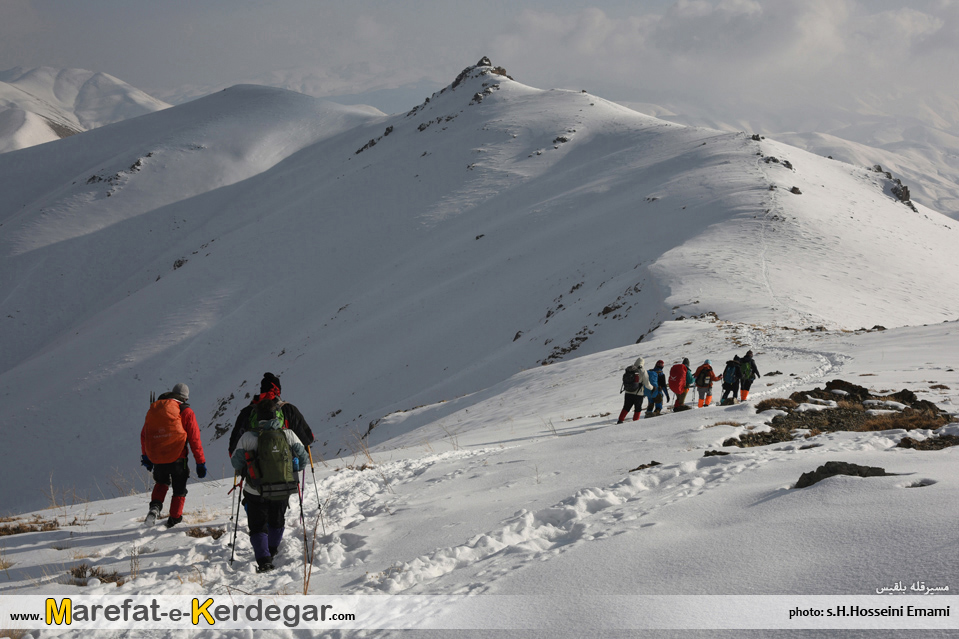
163	433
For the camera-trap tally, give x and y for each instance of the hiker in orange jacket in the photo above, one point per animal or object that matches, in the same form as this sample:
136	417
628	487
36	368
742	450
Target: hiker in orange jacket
161	452
705	377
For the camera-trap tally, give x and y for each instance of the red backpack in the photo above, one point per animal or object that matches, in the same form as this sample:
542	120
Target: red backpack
163	433
677	378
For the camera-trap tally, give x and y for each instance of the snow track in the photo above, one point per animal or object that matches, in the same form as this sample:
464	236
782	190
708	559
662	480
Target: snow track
590	514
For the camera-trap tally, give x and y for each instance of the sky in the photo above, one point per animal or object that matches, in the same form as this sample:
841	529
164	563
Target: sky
841	52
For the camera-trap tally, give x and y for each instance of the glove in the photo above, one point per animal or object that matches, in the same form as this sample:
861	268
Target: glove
146	463
201	470
296	464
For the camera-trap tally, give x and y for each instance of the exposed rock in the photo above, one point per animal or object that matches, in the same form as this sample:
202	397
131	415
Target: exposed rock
833	468
645	466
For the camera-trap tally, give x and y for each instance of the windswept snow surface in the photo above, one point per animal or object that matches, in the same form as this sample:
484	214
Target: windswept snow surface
377	263
528	489
45	104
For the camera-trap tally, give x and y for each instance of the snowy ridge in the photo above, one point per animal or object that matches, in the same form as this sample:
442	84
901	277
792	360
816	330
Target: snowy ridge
378	263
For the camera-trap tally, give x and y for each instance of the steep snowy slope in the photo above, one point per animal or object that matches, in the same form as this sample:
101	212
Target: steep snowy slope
376	263
44	104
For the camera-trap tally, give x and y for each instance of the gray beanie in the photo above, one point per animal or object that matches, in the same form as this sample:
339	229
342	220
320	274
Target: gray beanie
182	390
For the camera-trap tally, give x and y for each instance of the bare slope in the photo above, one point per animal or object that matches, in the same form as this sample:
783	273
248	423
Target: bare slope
376	263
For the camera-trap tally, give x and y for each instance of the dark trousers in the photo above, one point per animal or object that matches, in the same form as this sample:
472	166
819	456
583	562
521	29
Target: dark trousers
266	518
632	400
176	473
730	388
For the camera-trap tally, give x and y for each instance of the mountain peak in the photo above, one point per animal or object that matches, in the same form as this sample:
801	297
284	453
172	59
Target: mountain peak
481	68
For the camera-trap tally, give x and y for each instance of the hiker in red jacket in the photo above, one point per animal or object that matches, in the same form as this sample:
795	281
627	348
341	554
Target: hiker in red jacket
705	377
170	427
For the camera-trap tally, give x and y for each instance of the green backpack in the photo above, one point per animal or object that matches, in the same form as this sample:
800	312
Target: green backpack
270	466
746	369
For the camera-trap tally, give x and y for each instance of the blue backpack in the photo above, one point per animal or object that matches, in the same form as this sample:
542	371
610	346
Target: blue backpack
729	375
654	381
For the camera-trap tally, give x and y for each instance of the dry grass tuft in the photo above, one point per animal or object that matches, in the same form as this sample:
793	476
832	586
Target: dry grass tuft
850	405
906	420
37	524
726	422
199	531
82	572
776	403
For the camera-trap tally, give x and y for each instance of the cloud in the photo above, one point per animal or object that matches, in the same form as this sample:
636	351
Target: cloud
748	50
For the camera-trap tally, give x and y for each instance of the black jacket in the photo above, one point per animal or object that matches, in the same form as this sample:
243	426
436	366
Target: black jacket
752	364
294	421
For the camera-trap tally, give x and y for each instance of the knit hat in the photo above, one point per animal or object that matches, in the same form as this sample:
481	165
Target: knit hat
269	381
660	364
708	362
182	390
749	353
685	361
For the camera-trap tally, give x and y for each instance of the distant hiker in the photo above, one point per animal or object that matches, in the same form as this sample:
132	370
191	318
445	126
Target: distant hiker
170	426
293	419
268	456
657	379
730	381
705	377
747	373
635	380
680	381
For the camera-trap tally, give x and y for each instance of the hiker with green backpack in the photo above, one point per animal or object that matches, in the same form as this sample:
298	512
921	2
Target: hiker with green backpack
747	373
294	419
269	457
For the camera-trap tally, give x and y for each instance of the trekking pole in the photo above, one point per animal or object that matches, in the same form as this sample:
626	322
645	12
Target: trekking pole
306	543
231	497
313	472
236	523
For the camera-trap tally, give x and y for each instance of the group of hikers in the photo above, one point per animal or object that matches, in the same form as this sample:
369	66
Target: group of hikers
640	384
270	441
269	446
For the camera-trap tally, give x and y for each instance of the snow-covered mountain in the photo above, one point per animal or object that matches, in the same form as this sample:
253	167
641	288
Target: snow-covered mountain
914	137
412	274
377	263
45	104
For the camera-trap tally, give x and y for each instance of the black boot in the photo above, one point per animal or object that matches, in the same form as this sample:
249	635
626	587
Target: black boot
155	508
264	564
173	521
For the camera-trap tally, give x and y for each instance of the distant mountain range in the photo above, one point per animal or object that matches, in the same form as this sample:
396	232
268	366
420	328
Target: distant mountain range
45	104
